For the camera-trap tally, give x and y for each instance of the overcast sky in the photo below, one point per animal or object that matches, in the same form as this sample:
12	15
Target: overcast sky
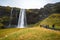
26	3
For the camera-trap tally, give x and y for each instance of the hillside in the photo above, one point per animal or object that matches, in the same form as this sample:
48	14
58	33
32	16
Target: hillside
53	19
29	34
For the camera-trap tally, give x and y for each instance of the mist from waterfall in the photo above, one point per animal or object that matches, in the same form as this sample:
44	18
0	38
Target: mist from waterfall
22	19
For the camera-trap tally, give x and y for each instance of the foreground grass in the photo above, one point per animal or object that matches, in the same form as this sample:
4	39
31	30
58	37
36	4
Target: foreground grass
35	33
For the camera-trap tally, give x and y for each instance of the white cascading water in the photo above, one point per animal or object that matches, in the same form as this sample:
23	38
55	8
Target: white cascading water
21	19
10	17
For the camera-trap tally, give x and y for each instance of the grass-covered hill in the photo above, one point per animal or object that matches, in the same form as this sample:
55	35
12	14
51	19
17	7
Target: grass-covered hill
35	33
53	19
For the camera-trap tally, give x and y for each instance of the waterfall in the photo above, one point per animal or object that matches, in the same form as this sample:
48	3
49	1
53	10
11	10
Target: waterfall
22	19
10	17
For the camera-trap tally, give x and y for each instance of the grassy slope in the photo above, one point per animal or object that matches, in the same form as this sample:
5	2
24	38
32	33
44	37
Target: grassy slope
35	33
52	19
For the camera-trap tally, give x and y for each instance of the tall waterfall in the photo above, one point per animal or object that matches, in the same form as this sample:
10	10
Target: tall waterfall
22	19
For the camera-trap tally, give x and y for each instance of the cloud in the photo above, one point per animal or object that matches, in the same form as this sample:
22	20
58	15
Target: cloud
25	3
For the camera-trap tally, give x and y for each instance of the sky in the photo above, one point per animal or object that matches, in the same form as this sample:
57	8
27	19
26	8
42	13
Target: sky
26	4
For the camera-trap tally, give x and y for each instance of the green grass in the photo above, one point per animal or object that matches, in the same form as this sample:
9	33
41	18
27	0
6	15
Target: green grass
52	19
35	33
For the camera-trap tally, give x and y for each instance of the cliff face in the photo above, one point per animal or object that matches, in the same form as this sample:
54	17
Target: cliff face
33	15
5	15
36	15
